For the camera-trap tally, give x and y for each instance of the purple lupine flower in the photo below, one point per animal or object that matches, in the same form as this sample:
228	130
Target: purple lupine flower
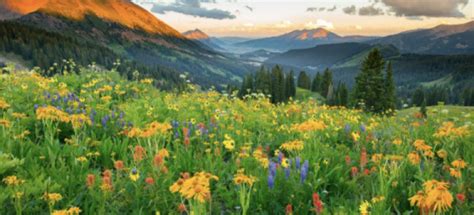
297	162
92	117
280	157
347	128
121	115
36	106
104	120
287	173
304	171
362	128
273	168
271	181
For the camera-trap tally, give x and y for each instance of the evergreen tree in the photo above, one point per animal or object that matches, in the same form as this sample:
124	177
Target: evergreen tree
326	82
277	85
331	98
423	110
369	86
343	95
262	81
247	86
418	97
390	98
316	85
304	81
290	87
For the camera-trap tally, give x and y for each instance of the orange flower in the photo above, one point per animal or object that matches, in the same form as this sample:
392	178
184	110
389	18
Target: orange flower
138	153
90	181
118	165
149	180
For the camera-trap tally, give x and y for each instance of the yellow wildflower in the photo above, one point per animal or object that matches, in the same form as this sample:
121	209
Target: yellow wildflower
241	178
13	181
296	145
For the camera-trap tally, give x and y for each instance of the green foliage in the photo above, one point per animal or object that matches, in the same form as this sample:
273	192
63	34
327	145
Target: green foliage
347	156
276	84
316	84
326	82
370	90
304	81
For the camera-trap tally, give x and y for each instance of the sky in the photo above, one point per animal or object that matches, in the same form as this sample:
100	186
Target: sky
263	18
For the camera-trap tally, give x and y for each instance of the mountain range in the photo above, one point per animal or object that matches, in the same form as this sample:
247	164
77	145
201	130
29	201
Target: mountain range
201	37
442	39
44	32
299	39
110	28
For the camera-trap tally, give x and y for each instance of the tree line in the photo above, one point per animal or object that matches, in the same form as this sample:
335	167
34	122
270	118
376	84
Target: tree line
374	90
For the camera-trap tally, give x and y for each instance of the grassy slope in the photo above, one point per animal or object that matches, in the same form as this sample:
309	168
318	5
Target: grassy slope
304	94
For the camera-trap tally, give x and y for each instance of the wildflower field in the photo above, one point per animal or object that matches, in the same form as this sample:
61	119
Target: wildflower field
95	143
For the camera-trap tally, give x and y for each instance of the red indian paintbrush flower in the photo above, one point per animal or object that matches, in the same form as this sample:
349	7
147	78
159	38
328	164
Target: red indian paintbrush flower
138	153
317	203
90	180
118	165
289	209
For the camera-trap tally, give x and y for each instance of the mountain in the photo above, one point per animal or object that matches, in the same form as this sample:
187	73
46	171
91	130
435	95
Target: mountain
46	31
443	39
260	55
319	57
300	39
410	70
122	12
201	37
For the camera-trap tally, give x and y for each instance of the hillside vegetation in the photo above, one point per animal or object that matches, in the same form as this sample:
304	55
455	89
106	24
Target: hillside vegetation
96	143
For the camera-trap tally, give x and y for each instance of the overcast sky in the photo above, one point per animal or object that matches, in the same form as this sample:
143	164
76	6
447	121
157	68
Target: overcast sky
259	18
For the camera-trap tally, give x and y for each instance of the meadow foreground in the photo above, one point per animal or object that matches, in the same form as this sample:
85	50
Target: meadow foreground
95	143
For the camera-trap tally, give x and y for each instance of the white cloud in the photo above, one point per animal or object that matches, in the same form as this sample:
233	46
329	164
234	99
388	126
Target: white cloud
428	8
320	23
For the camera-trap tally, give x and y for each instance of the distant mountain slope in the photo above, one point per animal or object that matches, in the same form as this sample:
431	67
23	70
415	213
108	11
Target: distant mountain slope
259	55
319	57
123	12
199	36
443	39
409	69
300	39
157	45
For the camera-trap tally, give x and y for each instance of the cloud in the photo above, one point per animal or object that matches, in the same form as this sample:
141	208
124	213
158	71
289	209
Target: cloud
332	9
370	11
350	10
320	23
192	8
428	8
249	8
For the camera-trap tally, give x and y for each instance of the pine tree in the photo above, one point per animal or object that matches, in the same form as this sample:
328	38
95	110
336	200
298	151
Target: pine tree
418	97
277	85
303	81
423	109
316	84
326	82
369	87
247	86
390	97
343	95
290	87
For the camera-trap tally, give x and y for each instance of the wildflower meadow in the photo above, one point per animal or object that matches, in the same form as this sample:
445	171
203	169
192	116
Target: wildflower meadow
97	143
